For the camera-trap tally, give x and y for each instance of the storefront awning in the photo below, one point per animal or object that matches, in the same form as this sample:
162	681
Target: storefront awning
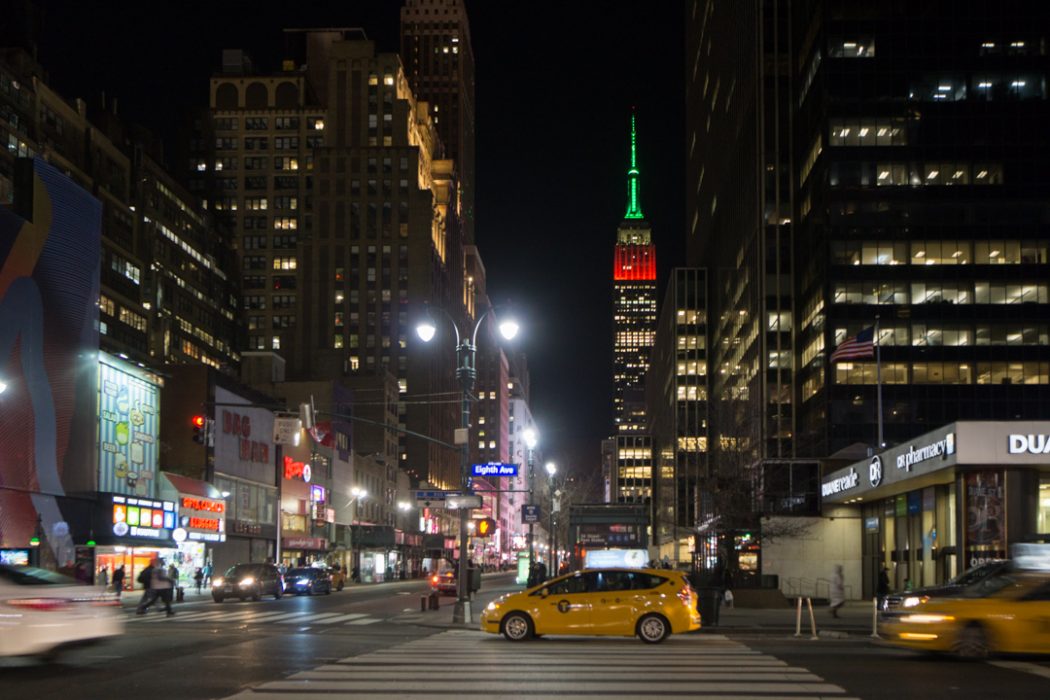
187	486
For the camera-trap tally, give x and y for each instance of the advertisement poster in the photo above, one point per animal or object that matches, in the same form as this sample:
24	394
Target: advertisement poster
985	517
128	428
49	290
243	439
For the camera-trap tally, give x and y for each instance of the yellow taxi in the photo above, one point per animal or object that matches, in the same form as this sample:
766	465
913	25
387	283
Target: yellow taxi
1009	613
650	603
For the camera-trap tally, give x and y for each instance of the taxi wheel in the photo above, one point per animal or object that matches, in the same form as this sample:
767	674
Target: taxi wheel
972	643
653	629
517	627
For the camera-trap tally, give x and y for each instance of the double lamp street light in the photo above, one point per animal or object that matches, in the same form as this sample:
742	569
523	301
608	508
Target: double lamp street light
466	372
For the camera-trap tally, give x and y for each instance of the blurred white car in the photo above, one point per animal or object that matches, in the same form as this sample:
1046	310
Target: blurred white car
42	613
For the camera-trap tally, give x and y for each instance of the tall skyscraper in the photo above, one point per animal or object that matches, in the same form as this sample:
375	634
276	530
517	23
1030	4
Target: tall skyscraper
439	60
330	172
676	402
634	322
634	304
863	165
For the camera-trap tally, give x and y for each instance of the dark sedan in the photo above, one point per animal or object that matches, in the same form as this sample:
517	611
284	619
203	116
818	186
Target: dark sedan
910	599
308	580
248	581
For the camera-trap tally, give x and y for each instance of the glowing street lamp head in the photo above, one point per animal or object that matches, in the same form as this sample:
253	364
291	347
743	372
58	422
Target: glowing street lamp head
530	438
551	468
426	330
3	386
508	328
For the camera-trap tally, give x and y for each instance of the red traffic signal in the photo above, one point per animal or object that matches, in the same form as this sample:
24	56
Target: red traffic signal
200	429
485	527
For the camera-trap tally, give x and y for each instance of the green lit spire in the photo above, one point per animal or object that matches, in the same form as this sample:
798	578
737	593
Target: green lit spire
634	209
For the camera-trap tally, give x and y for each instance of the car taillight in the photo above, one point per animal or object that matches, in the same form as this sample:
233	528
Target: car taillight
435	579
686	594
39	604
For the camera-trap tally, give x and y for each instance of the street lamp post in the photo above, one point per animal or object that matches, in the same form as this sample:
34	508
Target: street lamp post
552	468
530	441
466	372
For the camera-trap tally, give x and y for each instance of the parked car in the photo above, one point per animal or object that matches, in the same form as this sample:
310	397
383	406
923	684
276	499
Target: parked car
649	603
248	581
338	577
45	613
308	580
954	586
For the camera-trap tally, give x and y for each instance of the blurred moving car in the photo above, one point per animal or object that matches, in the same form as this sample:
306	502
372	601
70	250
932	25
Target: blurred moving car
1007	613
444	582
248	581
954	586
308	580
338	577
649	603
43	613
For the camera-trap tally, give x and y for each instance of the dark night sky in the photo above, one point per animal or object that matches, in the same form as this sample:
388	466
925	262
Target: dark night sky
556	81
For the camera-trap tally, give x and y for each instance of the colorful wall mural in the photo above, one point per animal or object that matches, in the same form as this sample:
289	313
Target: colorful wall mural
49	290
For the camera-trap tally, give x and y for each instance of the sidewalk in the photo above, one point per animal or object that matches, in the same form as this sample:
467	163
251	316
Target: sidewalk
854	620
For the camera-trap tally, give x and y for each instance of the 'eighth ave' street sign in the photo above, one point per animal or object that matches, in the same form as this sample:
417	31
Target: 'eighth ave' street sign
494	469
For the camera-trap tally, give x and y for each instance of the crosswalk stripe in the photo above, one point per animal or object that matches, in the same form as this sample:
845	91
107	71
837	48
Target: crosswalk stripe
319	618
459	663
256	616
344	618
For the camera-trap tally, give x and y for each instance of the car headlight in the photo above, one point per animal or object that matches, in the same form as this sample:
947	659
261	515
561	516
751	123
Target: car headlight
913	600
492	606
216	582
247	581
303	580
927	618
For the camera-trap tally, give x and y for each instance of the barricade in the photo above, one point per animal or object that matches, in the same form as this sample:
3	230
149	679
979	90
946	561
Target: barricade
798	618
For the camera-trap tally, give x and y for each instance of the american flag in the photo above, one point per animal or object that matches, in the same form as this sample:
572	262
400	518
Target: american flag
860	346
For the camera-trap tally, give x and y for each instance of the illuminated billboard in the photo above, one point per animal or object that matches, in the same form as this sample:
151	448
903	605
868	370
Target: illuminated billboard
128	428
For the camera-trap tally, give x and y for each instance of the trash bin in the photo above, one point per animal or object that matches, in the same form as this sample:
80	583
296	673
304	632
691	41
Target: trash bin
475	579
709	603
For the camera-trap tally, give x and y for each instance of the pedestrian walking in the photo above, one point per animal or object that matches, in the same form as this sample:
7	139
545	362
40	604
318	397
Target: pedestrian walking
145	577
198	579
163	584
838	591
883	588
118	580
207	573
103	577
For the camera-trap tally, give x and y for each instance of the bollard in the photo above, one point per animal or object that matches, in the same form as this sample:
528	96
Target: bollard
812	619
875	618
423	603
798	617
435	601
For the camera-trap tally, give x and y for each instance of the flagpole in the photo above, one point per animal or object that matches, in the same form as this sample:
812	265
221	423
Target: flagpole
878	384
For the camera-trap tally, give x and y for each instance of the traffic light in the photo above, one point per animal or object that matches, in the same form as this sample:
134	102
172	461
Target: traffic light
485	527
199	424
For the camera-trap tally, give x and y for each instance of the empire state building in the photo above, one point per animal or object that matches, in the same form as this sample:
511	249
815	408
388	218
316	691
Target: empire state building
634	305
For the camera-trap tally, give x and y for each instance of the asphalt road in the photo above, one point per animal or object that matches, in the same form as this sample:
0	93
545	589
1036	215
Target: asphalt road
373	642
